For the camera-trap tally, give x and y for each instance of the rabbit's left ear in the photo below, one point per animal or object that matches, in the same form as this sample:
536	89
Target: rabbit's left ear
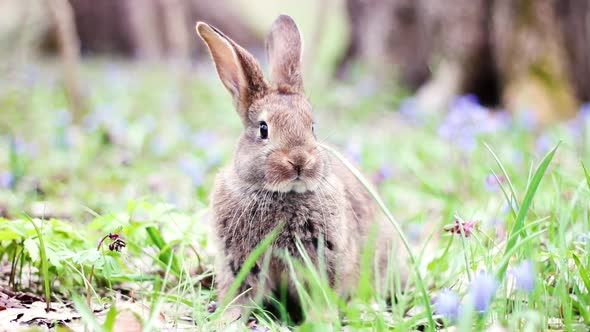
284	47
239	72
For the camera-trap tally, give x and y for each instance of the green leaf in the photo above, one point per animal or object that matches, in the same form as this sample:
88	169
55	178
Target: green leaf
525	206
13	230
86	257
166	255
32	248
111	266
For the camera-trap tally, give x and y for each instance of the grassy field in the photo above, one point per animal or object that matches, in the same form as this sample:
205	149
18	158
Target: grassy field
496	212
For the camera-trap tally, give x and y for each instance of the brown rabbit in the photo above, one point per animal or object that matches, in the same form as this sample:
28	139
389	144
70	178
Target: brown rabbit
280	173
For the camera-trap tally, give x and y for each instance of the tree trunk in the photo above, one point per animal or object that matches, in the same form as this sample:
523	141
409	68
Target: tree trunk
144	29
523	54
69	50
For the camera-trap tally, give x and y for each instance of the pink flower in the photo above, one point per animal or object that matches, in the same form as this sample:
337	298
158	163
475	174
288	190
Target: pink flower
459	223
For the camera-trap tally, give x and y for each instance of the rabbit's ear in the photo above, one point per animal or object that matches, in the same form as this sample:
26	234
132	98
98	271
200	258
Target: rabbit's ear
284	48
238	70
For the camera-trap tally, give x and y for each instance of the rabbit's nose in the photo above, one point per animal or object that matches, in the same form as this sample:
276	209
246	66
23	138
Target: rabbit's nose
297	167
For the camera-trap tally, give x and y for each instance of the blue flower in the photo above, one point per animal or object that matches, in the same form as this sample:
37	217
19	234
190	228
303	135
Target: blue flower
584	237
193	170
385	172
467	119
203	139
7	180
585	111
482	290
524	275
353	150
447	304
578	124
543	144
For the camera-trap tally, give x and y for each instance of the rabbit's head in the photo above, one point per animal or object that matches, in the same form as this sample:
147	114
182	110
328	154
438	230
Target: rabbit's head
277	150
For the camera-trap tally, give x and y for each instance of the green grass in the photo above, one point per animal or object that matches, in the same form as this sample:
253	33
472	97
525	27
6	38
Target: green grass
148	171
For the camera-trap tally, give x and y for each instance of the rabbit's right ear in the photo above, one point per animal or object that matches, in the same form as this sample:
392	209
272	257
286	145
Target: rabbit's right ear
238	70
284	47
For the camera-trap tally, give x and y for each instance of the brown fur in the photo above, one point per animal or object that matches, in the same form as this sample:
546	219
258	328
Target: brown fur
260	189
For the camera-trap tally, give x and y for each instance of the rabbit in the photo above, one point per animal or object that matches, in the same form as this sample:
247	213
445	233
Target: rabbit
280	173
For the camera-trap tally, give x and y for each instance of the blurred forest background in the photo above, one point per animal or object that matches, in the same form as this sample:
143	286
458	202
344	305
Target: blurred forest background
113	120
521	55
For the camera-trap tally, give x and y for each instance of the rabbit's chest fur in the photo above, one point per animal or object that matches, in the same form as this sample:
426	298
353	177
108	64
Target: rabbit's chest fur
317	219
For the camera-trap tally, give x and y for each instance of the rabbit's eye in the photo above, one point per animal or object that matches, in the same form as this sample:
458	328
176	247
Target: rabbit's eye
263	130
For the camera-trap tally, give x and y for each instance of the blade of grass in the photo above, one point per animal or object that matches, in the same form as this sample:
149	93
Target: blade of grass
586	174
249	263
464	246
526	204
583	272
44	264
389	215
511	201
109	321
506	259
510	185
86	313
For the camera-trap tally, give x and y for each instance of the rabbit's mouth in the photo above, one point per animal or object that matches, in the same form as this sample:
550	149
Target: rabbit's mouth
297	185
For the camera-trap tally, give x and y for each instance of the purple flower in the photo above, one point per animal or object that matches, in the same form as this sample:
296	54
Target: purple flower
193	170
585	111
447	304
7	180
408	110
467	103
524	276
353	150
466	140
385	172
467	119
204	139
482	290
584	237
543	144
459	223
578	124
517	157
